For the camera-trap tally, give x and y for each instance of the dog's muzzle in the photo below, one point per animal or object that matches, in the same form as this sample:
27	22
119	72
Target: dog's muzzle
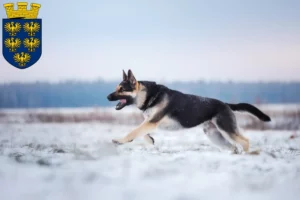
124	101
110	97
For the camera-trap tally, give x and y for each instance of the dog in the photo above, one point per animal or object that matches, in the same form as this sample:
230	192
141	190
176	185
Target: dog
164	107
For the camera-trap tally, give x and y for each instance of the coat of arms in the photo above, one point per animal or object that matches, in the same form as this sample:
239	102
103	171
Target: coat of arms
22	35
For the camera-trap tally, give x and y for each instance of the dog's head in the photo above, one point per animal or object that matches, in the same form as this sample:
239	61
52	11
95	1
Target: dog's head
126	91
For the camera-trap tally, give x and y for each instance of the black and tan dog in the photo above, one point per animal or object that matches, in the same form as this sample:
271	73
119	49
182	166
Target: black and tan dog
164	107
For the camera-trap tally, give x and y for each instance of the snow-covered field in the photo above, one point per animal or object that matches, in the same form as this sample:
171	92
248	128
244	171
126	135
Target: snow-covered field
78	161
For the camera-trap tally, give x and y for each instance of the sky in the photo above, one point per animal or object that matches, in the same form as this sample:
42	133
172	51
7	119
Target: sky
165	40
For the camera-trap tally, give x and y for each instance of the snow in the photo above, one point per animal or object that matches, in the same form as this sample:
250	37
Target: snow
78	161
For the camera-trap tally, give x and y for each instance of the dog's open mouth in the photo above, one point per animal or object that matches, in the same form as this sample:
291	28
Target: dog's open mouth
122	103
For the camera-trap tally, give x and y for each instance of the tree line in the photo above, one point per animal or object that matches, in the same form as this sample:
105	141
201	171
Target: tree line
87	94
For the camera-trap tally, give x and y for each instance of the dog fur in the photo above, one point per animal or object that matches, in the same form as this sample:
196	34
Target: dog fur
164	107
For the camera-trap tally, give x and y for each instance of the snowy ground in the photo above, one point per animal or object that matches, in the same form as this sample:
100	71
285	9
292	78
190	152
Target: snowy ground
78	161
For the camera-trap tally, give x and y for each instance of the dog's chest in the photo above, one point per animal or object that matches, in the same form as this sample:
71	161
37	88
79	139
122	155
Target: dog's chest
169	124
150	113
165	123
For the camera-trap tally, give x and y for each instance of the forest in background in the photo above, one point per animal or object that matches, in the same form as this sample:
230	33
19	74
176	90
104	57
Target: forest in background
94	93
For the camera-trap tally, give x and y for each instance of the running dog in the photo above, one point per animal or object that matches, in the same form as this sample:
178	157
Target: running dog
164	107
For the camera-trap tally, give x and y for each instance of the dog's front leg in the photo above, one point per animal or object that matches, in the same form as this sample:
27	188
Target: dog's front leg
143	129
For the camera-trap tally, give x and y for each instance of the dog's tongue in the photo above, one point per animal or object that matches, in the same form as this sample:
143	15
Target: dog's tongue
123	101
121	104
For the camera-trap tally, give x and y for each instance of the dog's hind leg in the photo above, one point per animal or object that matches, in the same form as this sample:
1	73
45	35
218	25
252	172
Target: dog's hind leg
149	139
216	137
226	124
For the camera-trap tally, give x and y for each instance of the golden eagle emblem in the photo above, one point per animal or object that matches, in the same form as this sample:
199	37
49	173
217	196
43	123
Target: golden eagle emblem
22	58
22	35
12	44
31	44
31	28
12	28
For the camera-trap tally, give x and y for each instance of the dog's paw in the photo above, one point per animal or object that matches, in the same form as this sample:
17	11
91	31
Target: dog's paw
149	139
121	141
118	142
152	139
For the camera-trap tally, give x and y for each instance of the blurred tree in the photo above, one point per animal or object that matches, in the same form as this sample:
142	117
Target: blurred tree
86	94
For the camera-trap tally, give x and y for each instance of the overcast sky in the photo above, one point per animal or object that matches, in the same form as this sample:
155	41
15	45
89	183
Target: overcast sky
257	40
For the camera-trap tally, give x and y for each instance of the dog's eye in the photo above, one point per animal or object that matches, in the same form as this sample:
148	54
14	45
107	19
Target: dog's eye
121	89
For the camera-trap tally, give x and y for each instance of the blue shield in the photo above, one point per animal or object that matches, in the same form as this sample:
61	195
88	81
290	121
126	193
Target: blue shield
22	41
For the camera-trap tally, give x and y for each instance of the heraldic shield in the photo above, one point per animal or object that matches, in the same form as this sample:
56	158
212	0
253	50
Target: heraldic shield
22	35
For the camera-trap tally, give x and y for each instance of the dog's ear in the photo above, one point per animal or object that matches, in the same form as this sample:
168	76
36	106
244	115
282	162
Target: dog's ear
124	76
131	78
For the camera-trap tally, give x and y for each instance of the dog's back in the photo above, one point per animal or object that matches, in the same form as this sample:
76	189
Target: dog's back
191	110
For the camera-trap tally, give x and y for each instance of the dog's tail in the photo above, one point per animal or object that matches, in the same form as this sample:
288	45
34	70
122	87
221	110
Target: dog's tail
251	109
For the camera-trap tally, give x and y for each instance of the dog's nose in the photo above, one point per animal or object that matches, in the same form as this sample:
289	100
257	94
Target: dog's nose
109	97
